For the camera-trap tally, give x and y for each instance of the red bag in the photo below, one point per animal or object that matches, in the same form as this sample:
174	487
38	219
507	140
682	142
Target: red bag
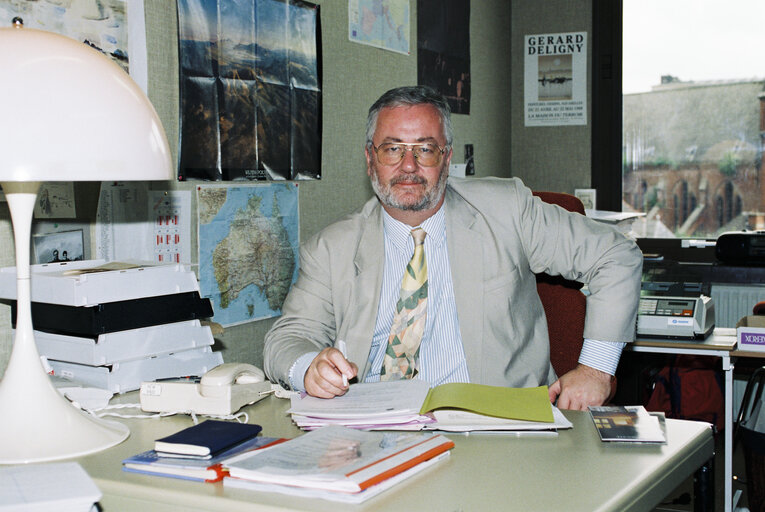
690	389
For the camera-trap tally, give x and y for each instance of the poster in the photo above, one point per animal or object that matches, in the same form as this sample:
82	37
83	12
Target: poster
443	50
383	24
135	223
114	27
250	90
555	79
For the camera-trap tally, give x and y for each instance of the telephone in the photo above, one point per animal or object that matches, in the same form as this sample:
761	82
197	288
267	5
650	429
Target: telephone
222	391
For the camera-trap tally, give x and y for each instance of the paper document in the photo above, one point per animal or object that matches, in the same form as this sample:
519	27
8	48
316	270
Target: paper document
62	487
412	405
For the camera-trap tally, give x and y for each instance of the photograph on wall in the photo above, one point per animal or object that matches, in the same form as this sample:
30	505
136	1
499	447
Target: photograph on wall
249	90
383	24
443	50
555	79
57	247
248	249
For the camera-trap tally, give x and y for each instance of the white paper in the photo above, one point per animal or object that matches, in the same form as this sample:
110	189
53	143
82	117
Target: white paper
45	487
135	223
367	401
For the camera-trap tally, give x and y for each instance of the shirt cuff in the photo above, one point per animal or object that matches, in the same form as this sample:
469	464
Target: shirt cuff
298	369
601	355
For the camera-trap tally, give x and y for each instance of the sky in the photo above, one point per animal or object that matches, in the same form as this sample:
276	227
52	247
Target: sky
692	40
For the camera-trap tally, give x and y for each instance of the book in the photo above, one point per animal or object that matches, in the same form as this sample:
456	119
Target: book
413	405
616	423
207	439
344	497
338	459
155	463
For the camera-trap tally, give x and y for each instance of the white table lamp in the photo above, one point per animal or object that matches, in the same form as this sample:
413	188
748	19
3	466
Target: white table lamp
67	113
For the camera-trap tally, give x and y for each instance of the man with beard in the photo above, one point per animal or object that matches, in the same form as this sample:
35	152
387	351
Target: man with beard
472	314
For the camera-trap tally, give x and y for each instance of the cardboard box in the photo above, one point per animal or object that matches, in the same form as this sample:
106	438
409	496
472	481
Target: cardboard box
750	332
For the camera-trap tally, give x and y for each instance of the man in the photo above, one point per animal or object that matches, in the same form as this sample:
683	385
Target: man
485	239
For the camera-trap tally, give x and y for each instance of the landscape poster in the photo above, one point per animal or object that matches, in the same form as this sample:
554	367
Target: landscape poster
250	90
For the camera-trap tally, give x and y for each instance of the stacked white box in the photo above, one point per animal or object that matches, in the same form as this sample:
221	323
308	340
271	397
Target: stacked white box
79	283
127	376
118	361
121	346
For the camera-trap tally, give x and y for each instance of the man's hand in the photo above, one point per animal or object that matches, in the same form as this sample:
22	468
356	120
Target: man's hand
581	387
324	377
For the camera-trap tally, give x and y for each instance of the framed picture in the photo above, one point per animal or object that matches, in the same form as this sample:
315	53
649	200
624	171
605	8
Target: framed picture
56	247
587	197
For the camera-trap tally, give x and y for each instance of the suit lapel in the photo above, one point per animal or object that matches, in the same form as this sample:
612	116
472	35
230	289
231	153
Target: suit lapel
365	295
466	258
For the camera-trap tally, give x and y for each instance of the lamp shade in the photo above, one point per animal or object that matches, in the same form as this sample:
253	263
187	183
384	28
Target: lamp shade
70	114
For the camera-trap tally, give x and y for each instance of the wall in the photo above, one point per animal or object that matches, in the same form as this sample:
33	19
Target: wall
353	77
548	158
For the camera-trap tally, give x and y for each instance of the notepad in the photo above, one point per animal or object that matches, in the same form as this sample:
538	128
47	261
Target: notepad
207	439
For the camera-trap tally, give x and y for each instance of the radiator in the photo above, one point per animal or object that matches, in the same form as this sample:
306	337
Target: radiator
733	301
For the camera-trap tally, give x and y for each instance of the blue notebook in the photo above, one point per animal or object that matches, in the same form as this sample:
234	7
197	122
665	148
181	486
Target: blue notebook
207	439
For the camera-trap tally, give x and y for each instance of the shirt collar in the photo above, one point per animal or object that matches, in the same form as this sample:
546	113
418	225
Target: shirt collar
399	234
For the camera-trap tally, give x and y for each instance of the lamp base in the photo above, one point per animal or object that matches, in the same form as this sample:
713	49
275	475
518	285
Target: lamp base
37	423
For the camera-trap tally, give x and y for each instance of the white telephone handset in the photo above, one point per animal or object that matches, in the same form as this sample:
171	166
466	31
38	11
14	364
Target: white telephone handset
222	391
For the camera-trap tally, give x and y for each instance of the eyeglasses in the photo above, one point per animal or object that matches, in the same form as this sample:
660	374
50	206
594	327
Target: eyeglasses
391	153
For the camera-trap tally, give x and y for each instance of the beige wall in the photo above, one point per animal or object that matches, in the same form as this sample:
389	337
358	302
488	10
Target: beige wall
353	77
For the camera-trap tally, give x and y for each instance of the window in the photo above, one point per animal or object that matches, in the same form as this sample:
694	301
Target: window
693	116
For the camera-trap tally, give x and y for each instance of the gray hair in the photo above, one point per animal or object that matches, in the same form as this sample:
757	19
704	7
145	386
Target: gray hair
411	96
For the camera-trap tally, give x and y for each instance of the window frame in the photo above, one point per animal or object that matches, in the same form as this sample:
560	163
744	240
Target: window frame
606	135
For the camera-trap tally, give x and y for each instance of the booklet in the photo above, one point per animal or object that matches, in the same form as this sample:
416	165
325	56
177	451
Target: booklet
616	423
413	405
152	462
338	459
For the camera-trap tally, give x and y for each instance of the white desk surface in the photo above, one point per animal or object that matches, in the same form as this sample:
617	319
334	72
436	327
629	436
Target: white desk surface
722	338
574	471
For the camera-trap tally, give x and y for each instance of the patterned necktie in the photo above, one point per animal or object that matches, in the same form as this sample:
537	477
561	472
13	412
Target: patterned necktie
402	354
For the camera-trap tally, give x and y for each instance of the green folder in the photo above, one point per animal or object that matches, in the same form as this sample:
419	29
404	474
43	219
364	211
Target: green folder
529	404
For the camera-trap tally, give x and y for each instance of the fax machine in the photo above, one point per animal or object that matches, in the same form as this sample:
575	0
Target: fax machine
676	317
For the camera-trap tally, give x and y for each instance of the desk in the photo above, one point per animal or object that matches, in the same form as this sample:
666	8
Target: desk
721	343
574	471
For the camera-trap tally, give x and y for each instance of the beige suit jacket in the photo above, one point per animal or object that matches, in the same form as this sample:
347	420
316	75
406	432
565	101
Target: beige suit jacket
498	237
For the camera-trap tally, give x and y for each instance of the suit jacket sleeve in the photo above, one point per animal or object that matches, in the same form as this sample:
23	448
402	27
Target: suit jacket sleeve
581	249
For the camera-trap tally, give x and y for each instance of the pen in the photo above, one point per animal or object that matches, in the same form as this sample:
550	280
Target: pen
341	347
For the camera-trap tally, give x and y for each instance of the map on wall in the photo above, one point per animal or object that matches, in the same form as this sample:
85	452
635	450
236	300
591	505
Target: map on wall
248	249
380	23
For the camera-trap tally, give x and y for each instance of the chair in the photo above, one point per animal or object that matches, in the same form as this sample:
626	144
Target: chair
563	302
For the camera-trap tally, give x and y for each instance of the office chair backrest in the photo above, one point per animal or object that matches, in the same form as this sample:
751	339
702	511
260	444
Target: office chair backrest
563	302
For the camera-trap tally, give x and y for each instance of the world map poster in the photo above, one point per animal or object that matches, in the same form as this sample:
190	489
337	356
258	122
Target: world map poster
248	249
249	89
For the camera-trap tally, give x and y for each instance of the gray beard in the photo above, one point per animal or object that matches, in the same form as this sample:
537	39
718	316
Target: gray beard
428	201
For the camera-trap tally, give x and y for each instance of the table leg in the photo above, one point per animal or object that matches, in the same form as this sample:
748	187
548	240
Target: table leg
727	367
704	487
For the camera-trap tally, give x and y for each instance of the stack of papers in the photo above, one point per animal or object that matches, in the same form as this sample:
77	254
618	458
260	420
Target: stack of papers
413	405
337	463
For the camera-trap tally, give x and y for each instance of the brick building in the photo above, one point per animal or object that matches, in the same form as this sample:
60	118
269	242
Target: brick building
692	156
